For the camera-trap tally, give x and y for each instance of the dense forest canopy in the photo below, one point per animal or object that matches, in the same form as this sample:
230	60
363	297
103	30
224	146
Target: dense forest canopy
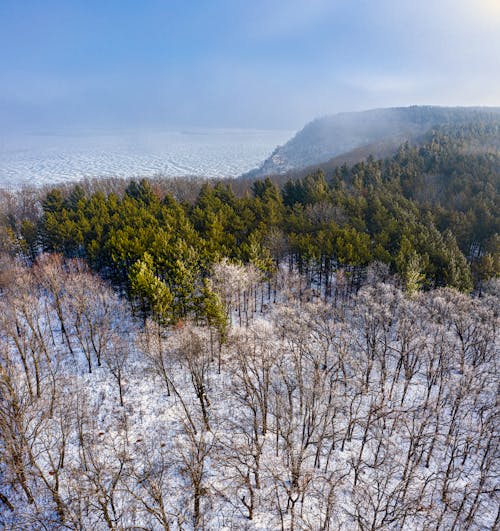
430	213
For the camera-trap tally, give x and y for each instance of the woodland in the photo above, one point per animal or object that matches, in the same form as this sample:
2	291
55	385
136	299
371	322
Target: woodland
315	353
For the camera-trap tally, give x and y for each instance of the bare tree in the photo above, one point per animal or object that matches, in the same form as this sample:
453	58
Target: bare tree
192	455
116	359
194	353
51	272
150	480
94	312
250	386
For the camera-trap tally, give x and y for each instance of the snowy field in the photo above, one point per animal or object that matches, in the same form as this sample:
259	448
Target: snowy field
38	159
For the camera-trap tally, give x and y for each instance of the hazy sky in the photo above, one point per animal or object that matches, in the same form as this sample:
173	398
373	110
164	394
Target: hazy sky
239	63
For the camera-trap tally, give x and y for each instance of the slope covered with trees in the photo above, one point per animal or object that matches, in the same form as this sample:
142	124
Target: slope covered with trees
430	213
302	354
378	131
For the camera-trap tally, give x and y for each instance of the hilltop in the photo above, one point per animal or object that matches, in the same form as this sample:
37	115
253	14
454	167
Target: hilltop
351	136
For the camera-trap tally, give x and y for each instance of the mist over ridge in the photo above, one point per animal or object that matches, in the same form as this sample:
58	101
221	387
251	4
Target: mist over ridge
379	131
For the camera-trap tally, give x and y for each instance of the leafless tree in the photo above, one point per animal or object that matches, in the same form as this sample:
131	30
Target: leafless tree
51	272
94	312
150	480
193	352
192	456
116	359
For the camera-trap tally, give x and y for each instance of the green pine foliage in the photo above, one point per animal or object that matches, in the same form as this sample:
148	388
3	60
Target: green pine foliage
430	213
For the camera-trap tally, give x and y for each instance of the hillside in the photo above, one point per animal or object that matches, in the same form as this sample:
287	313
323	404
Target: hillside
378	132
437	201
285	357
378	413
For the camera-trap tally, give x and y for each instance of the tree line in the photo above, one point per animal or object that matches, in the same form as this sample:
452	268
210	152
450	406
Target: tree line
429	212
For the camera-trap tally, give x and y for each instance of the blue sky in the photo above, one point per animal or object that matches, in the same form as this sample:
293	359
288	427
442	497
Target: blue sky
239	63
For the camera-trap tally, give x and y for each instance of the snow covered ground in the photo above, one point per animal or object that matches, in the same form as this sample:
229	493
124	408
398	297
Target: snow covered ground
45	158
379	412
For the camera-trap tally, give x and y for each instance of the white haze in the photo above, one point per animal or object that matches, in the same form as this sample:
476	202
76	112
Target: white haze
40	159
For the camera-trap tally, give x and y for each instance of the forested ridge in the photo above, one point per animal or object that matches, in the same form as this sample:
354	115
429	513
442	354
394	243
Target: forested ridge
429	212
376	131
316	353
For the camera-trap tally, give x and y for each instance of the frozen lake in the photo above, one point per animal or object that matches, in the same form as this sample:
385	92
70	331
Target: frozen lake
38	159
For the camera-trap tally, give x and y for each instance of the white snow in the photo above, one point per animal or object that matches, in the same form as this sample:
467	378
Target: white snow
346	438
38	159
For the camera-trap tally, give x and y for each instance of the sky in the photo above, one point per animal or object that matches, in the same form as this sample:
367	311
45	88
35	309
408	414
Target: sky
260	64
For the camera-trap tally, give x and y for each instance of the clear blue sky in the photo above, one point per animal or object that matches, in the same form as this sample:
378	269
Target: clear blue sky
239	63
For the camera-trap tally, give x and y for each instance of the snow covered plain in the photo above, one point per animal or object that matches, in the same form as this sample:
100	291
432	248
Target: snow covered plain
47	158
